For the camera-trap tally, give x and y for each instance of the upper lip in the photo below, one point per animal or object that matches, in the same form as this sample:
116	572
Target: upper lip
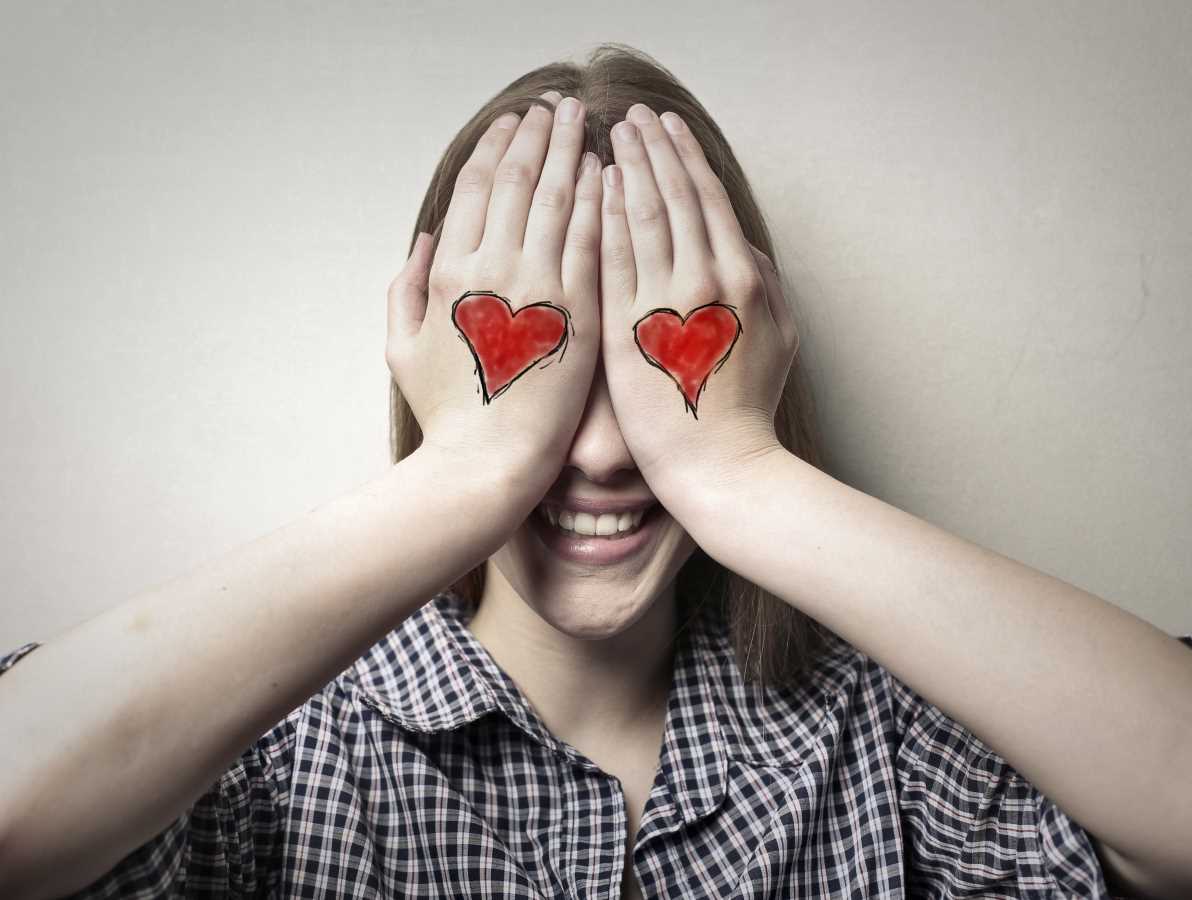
596	507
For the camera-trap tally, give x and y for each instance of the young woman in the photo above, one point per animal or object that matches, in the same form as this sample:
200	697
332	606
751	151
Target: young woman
676	658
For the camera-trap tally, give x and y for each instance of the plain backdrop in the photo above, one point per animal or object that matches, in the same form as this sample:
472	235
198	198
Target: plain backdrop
985	210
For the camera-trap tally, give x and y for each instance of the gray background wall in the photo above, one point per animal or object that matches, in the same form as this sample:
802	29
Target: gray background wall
985	208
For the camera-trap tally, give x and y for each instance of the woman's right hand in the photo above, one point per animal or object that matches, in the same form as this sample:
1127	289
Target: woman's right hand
521	230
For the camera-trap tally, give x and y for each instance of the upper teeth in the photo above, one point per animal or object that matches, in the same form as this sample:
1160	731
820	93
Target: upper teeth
586	523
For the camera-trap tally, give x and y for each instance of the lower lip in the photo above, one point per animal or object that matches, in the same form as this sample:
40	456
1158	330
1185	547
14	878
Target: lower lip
597	551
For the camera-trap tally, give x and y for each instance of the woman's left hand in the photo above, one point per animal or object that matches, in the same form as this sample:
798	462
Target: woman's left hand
696	335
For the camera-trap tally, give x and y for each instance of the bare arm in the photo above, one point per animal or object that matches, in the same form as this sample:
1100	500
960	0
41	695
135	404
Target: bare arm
1087	701
137	711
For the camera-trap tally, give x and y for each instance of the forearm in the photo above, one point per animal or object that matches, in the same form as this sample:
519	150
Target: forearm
1090	703
136	712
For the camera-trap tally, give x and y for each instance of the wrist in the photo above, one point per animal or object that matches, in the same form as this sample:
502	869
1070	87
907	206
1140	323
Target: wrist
489	485
704	495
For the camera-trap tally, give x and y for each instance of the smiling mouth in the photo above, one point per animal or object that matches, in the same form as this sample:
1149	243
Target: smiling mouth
609	526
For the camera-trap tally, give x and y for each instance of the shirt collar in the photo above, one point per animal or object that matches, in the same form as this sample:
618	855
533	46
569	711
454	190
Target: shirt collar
431	674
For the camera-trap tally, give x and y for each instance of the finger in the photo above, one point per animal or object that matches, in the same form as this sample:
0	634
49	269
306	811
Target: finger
725	236
618	268
581	255
408	291
780	309
550	209
463	226
688	237
645	210
514	182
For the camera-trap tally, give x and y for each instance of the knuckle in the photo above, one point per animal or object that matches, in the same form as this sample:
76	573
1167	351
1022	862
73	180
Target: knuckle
515	172
674	188
493	272
612	206
583	240
440	280
393	357
687	146
588	191
471	179
619	255
618	277
713	193
744	281
552	196
702	290
645	212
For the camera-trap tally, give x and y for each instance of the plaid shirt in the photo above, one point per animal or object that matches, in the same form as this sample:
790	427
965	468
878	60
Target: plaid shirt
422	770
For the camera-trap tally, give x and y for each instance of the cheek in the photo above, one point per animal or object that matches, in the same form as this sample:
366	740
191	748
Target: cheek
678	540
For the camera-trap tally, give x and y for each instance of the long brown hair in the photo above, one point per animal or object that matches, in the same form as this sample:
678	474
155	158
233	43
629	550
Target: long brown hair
773	642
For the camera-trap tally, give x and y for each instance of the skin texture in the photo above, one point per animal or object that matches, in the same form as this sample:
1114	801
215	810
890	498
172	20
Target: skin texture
685	252
521	230
589	646
1091	704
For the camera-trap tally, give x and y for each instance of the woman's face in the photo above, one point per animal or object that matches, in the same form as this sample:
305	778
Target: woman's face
592	586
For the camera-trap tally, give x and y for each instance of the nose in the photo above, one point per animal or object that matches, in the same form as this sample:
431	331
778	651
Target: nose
598	450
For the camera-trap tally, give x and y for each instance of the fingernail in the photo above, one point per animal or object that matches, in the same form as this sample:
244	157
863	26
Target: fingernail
509	120
626	132
673	123
641	114
568	110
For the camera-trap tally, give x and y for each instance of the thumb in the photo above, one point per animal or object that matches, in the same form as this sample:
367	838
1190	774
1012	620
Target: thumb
408	291
780	309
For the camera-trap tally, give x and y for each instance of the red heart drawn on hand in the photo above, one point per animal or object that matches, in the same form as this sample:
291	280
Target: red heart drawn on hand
504	343
690	348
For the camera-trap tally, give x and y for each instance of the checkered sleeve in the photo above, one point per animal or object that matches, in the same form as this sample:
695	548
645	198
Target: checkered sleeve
973	825
227	843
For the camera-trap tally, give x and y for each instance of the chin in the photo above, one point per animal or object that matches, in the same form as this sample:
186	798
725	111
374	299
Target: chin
595	616
592	601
